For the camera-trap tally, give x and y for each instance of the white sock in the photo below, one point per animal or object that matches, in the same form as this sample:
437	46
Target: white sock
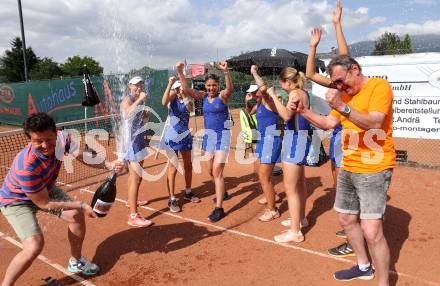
364	267
133	215
172	198
187	190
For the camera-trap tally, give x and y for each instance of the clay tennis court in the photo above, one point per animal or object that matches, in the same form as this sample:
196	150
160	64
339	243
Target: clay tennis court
186	249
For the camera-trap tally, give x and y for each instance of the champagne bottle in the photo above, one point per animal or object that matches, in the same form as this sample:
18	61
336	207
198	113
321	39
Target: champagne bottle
104	196
90	95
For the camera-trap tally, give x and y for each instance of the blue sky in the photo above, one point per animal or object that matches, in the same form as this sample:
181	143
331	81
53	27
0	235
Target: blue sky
132	33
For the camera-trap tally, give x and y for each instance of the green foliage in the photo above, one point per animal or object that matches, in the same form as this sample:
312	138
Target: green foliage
45	69
390	44
74	66
12	64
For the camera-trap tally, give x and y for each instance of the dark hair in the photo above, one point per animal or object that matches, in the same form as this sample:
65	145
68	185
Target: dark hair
345	61
212	76
38	122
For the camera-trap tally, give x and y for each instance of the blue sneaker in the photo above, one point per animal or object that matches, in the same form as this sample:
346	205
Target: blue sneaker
83	266
354	273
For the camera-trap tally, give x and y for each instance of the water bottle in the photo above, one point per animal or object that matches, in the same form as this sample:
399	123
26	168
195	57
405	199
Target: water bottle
104	196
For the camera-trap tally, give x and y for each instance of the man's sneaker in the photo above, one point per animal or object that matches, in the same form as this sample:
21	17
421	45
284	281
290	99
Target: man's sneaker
269	215
343	250
226	197
263	200
341	234
138	221
191	197
173	204
82	266
289	236
354	273
216	215
288	222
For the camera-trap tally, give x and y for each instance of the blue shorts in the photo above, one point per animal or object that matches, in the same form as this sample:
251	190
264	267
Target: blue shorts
177	143
269	153
296	145
336	153
216	140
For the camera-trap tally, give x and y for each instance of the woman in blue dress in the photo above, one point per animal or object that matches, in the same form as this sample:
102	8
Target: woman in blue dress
268	148
133	115
177	139
294	150
217	136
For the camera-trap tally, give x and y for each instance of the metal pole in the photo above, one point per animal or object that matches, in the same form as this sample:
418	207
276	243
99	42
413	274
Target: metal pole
26	77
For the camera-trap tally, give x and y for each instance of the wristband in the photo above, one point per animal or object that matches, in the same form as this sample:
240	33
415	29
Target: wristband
81	205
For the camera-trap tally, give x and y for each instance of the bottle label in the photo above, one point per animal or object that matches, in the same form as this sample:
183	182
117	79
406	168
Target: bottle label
102	207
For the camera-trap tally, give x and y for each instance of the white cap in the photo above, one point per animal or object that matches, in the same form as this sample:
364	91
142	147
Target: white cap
176	84
136	80
252	88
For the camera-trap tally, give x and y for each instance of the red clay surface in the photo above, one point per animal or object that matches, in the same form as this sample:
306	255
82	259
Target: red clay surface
186	249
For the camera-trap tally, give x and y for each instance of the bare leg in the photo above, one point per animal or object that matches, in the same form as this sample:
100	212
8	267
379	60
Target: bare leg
292	173
379	251
134	181
76	232
32	247
302	192
218	166
264	175
172	171
187	166
355	235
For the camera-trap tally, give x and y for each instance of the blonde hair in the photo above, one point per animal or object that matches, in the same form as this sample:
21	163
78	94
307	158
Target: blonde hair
297	77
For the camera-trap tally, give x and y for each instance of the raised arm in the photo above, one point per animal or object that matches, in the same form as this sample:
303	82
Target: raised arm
310	67
258	79
285	114
169	94
342	43
320	121
227	92
196	94
128	109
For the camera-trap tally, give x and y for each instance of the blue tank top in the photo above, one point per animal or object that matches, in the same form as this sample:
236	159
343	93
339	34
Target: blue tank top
134	122
215	114
303	124
179	116
265	118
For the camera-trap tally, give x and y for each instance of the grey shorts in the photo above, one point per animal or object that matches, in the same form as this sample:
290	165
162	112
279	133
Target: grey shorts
364	194
22	215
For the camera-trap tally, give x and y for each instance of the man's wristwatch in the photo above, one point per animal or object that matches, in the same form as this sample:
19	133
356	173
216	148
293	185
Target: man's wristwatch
347	110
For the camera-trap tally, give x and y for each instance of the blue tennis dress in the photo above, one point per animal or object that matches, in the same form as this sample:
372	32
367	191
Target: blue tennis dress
269	144
296	142
336	146
133	135
178	137
217	136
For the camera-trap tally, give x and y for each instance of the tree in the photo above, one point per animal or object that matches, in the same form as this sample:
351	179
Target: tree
46	69
12	64
74	66
390	44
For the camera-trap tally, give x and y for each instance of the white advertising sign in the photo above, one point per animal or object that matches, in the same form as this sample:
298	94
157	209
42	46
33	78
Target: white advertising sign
415	80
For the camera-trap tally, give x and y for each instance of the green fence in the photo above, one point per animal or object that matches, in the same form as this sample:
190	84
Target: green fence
62	98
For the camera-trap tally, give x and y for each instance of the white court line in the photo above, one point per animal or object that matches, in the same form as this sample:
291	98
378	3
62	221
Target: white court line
286	245
49	262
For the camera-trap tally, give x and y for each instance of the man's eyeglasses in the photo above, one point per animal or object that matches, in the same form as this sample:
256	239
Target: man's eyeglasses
340	81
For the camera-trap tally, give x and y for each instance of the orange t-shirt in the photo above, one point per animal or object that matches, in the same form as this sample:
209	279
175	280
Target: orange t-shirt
368	151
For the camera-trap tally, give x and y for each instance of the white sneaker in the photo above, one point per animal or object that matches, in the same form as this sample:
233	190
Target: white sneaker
289	236
288	222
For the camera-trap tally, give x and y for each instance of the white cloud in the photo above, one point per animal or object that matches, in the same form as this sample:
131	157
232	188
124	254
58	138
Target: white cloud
429	27
128	34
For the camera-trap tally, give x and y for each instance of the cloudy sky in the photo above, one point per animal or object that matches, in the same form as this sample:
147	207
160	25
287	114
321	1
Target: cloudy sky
133	33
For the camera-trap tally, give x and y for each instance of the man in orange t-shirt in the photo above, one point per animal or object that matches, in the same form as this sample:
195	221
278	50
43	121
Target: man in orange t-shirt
364	107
